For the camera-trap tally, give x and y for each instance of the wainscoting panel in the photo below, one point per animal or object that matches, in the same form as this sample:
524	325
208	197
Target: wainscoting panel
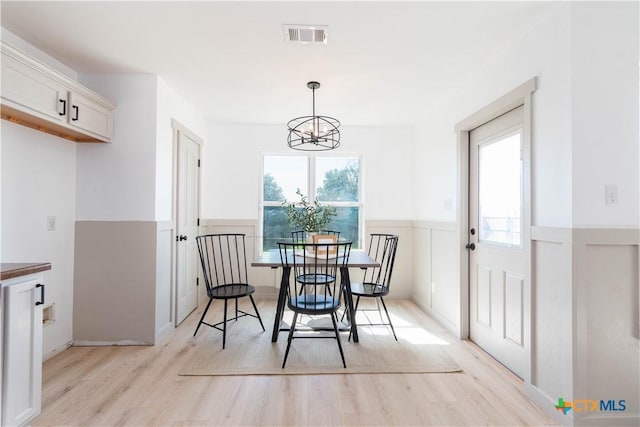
607	320
586	321
551	343
164	279
435	262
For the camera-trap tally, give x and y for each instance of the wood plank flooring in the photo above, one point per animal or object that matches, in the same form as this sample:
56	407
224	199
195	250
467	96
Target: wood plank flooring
140	386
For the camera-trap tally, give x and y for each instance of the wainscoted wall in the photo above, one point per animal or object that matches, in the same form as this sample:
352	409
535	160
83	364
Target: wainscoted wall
436	287
122	282
165	262
586	334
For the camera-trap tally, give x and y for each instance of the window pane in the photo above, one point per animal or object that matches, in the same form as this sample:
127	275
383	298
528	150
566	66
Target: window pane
500	191
346	222
283	175
337	179
275	226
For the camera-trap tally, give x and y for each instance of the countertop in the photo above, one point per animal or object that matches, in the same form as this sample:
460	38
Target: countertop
10	270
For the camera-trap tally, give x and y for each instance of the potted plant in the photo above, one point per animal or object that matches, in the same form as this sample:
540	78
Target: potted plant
310	217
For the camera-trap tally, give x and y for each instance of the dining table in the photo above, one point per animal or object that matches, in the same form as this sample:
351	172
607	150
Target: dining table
357	259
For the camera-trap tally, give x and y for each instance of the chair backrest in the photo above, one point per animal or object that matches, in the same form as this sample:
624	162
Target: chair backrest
223	259
382	248
313	284
300	236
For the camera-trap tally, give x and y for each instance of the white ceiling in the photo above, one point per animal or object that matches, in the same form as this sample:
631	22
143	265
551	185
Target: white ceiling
385	62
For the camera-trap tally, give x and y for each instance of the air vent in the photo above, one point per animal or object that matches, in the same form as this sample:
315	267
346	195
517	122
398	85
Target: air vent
316	34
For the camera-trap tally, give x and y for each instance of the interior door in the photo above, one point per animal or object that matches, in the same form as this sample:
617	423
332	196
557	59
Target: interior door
187	197
497	263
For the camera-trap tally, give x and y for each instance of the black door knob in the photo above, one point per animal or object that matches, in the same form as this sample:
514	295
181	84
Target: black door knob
471	246
183	237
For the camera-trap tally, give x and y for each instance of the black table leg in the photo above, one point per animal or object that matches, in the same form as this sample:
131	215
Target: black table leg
344	272
282	295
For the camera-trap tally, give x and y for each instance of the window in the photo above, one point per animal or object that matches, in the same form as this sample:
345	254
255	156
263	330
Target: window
332	181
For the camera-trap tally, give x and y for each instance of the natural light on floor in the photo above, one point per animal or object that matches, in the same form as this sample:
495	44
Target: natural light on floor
405	330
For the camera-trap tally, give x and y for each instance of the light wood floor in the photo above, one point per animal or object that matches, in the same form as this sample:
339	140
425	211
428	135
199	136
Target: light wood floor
140	386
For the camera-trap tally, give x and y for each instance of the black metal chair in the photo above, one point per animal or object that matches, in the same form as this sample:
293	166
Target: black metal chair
224	267
313	287
300	236
376	281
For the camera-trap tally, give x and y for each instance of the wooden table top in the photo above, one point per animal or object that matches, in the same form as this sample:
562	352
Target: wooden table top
357	258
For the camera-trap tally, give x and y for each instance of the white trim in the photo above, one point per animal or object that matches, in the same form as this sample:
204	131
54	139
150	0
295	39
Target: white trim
513	99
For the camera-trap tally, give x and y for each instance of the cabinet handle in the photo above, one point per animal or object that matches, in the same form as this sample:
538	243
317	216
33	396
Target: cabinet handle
41	286
77	110
64	107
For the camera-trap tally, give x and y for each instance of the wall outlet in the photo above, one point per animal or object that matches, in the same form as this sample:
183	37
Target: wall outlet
51	223
611	195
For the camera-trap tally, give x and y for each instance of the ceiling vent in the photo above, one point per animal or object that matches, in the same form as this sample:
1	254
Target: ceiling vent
316	34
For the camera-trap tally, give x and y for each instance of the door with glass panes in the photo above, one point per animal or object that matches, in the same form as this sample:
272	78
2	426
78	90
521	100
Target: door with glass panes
497	260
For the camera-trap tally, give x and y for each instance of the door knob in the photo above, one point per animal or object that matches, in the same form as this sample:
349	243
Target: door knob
471	246
180	238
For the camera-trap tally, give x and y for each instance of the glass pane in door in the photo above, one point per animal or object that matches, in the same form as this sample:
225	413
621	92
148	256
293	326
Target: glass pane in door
500	191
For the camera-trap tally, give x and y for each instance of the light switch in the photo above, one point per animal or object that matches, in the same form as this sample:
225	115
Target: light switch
51	223
611	195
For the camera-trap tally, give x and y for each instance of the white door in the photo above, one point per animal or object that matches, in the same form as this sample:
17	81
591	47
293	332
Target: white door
187	196
497	260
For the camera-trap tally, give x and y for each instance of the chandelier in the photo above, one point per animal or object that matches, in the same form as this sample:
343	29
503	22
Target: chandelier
313	133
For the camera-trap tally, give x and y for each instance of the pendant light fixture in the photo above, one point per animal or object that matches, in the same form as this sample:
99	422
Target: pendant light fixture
313	133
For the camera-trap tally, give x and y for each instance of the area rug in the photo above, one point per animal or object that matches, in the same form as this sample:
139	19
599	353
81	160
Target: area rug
249	350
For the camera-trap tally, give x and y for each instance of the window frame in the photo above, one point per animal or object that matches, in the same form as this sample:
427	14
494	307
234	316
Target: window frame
310	191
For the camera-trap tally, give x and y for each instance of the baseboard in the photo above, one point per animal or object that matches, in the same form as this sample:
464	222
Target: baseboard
163	333
56	351
107	343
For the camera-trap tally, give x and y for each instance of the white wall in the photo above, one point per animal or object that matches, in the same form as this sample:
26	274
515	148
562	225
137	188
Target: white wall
605	44
38	180
170	106
116	181
544	52
231	173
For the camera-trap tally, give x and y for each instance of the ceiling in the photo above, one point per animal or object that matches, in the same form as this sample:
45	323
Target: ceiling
385	63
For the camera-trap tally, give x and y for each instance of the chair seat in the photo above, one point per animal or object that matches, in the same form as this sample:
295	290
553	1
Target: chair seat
314	304
236	290
369	290
315	279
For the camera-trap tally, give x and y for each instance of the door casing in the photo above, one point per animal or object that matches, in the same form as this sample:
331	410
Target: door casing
519	96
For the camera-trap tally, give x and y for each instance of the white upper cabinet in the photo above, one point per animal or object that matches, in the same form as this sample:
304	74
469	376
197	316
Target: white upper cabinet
37	96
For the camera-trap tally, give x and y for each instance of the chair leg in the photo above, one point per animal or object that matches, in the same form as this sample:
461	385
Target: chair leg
224	325
236	310
389	317
335	328
355	311
290	338
256	309
202	317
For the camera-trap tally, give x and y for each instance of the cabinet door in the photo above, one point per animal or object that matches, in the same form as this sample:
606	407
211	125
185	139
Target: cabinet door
89	116
22	376
30	91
